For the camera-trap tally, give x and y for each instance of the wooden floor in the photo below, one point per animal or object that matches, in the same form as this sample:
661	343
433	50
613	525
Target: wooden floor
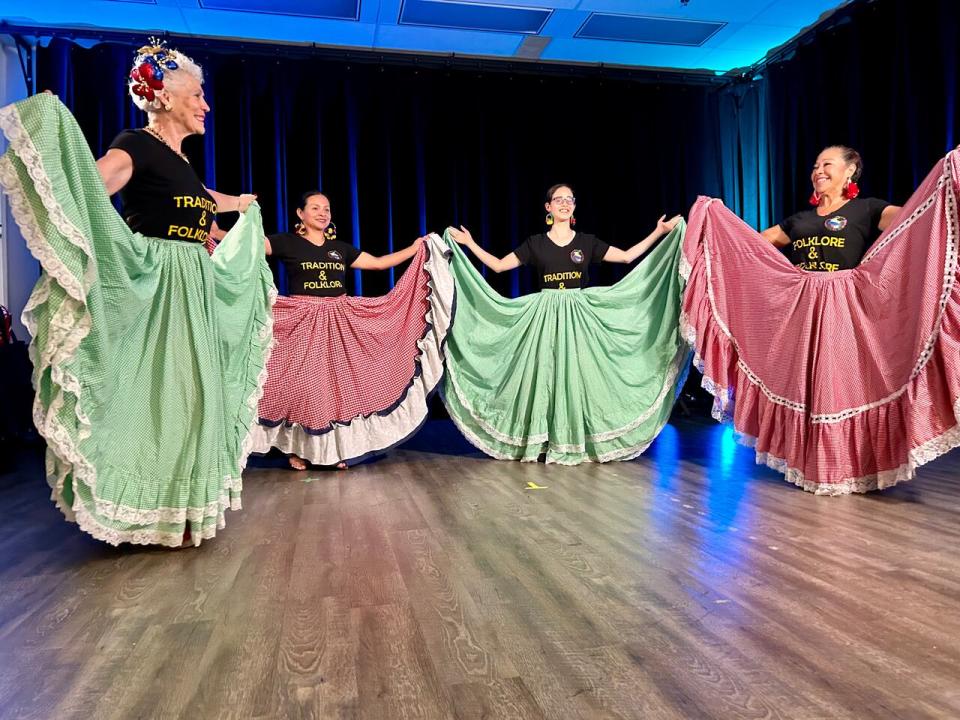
686	584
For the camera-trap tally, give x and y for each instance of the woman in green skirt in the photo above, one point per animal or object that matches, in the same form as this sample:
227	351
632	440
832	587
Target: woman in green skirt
571	374
148	353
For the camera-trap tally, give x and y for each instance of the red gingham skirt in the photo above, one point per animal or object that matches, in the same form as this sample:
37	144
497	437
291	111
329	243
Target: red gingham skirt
843	381
346	361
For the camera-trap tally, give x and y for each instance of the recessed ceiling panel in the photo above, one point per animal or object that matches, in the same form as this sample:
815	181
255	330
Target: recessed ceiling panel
334	9
473	16
655	30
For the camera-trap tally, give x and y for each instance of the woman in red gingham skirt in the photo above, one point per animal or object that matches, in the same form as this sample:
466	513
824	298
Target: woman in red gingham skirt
841	364
350	376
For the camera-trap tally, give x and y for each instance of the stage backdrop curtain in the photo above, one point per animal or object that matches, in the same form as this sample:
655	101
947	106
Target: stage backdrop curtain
879	76
402	150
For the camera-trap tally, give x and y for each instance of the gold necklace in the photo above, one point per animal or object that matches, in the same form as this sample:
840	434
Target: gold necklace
156	133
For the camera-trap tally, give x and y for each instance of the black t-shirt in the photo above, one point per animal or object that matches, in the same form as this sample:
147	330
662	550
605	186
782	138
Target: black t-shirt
837	241
319	270
164	197
562	268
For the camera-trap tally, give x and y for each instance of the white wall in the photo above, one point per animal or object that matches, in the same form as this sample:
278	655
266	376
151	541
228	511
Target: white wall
18	270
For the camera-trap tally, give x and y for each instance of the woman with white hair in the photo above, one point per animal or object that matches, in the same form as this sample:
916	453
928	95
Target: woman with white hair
168	86
148	352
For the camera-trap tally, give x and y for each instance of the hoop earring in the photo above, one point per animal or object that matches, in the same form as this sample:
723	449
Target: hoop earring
300	230
549	219
331	232
815	199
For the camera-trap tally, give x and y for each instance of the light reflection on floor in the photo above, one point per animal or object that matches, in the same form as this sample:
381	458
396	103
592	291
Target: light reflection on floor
718	522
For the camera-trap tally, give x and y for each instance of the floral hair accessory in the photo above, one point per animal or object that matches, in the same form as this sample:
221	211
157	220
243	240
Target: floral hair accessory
147	74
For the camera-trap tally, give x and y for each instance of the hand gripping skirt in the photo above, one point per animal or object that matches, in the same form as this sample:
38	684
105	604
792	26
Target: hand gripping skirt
149	355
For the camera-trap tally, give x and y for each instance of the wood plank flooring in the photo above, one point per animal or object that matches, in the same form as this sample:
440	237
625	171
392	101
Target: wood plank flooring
434	584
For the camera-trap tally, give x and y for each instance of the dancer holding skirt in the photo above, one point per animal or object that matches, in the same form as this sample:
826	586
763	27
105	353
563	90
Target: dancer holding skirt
149	353
571	374
350	376
844	380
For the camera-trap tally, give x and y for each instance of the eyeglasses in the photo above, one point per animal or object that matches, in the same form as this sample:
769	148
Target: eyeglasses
564	200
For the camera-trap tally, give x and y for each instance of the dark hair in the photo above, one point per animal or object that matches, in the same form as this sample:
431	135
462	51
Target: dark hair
556	187
850	156
307	195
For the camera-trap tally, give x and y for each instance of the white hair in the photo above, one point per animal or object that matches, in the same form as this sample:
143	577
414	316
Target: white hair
185	65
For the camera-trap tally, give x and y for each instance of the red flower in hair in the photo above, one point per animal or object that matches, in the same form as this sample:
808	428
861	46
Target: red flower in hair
148	73
145	81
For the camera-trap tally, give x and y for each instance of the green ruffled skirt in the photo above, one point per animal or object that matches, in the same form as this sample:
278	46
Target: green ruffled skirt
578	375
148	354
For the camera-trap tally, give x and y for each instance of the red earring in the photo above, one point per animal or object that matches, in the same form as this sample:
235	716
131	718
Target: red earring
851	190
573	221
815	199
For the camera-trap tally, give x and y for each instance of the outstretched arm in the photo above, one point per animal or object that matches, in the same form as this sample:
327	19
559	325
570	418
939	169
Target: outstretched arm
116	169
231	203
366	261
498	265
628	256
887	216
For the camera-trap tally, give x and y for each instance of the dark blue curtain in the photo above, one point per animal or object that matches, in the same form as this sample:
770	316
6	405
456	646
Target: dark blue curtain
881	77
743	143
402	150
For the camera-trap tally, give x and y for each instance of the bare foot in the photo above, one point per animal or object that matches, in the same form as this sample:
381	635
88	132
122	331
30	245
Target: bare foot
342	466
297	463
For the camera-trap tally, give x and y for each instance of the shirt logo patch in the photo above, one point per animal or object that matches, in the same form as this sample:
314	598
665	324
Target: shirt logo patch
577	256
837	222
334	255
